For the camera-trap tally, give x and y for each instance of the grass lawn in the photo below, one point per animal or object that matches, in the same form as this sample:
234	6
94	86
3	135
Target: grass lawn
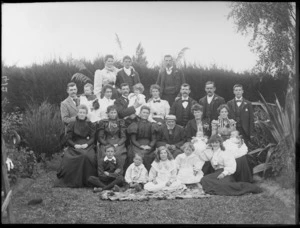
62	205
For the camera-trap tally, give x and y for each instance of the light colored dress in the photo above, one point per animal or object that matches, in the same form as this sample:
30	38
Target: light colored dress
158	109
223	160
132	98
104	77
136	174
186	166
162	172
104	103
231	146
93	115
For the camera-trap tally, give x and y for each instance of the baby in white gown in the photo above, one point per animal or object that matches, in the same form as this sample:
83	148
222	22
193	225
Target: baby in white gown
235	145
189	165
199	142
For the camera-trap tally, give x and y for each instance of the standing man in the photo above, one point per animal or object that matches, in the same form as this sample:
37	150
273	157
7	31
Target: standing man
210	103
170	80
181	108
122	102
171	136
68	107
241	111
127	75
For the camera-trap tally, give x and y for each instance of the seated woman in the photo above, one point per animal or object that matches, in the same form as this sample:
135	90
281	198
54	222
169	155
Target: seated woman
222	182
143	137
162	175
105	101
92	103
189	165
113	131
158	108
197	133
236	146
79	161
223	126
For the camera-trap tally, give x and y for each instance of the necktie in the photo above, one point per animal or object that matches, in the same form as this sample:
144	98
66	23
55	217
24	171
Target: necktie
156	101
76	101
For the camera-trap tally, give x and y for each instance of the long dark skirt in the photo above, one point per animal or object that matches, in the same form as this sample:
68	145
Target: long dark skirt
148	155
243	171
207	168
226	186
76	167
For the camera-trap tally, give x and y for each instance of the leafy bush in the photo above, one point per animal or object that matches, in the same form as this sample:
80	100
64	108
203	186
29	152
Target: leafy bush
42	128
25	164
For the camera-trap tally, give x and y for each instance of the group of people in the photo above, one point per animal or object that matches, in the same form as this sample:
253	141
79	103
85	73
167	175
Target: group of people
118	140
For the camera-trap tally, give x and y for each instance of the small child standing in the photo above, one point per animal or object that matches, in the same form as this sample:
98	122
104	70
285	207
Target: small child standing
236	145
136	174
109	171
189	165
91	101
162	175
138	95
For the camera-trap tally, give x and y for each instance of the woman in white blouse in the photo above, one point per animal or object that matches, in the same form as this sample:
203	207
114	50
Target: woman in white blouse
158	108
106	101
222	182
106	76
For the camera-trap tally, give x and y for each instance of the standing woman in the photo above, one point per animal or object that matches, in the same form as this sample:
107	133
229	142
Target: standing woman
143	137
158	108
113	131
106	76
223	126
222	181
105	101
79	161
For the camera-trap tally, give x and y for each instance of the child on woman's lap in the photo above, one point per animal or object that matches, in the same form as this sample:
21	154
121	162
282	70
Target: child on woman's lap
199	143
138	96
236	145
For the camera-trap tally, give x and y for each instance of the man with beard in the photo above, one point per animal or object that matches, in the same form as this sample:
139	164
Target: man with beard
181	108
68	107
170	80
122	102
171	136
210	104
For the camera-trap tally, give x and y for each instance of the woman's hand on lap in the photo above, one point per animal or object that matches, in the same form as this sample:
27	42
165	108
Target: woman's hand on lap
221	176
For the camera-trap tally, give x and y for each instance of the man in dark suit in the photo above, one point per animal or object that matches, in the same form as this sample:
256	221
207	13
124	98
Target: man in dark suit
171	135
127	75
210	104
241	111
181	108
68	107
122	102
170	80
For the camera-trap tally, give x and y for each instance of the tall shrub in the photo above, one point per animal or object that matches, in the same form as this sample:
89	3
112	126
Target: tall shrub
42	128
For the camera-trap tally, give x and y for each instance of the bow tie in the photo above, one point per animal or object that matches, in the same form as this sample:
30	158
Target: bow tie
154	101
238	101
111	161
185	101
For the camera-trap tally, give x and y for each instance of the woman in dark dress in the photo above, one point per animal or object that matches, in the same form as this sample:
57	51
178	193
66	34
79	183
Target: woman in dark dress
113	131
143	137
222	181
79	161
196	127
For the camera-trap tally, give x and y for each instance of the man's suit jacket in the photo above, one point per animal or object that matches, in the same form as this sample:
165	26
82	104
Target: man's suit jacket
246	115
122	77
122	107
178	77
177	110
216	102
68	110
178	139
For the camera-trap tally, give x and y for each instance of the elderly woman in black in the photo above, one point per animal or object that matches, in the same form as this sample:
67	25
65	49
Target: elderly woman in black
113	131
79	161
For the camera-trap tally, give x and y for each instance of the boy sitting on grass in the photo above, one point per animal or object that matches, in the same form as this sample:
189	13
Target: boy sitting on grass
109	171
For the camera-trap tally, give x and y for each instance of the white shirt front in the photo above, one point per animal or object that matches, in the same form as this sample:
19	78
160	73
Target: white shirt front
239	103
127	71
185	104
209	98
169	70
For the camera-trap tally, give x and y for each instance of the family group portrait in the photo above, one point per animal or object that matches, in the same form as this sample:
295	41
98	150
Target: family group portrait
149	113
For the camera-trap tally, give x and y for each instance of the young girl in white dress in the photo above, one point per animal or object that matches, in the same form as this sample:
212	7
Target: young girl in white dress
92	103
189	165
137	94
162	175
